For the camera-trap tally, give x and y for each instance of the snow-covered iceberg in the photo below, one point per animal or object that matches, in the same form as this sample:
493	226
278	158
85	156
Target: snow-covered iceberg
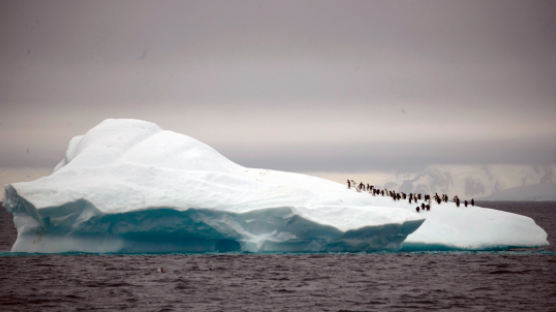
129	186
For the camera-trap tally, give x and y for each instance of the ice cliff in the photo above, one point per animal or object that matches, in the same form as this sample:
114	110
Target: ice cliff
129	186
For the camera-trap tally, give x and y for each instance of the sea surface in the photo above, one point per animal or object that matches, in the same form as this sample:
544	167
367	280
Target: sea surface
512	280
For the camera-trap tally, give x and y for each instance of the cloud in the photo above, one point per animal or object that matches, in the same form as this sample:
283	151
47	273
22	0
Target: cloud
298	86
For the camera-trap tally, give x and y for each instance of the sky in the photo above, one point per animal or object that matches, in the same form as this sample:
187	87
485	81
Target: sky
323	86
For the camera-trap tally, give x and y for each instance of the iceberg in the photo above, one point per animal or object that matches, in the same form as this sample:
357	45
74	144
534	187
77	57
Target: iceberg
130	186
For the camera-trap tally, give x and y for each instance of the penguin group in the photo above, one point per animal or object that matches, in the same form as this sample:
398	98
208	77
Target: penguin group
425	199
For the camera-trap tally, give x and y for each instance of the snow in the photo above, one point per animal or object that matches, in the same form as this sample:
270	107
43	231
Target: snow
125	180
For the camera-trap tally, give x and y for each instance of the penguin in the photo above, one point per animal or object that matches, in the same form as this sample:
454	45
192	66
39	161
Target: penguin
417	208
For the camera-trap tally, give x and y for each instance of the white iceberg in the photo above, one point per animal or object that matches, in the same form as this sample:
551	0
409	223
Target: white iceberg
129	186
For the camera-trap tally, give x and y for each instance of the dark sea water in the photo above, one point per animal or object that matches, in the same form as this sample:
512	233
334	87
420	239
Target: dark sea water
515	280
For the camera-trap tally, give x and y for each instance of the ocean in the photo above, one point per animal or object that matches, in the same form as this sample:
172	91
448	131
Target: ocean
510	280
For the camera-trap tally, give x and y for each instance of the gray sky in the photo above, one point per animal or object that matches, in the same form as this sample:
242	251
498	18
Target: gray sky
293	85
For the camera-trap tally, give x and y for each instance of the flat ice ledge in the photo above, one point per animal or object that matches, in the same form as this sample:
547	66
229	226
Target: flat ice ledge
475	228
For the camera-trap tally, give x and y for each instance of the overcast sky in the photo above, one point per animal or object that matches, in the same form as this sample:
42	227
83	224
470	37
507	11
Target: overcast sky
293	85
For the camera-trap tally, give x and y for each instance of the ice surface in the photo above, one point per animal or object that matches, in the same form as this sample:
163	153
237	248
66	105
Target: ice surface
475	228
127	185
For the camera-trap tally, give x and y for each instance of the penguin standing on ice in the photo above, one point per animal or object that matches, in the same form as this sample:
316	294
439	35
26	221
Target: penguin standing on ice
349	184
472	202
465	203
417	208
